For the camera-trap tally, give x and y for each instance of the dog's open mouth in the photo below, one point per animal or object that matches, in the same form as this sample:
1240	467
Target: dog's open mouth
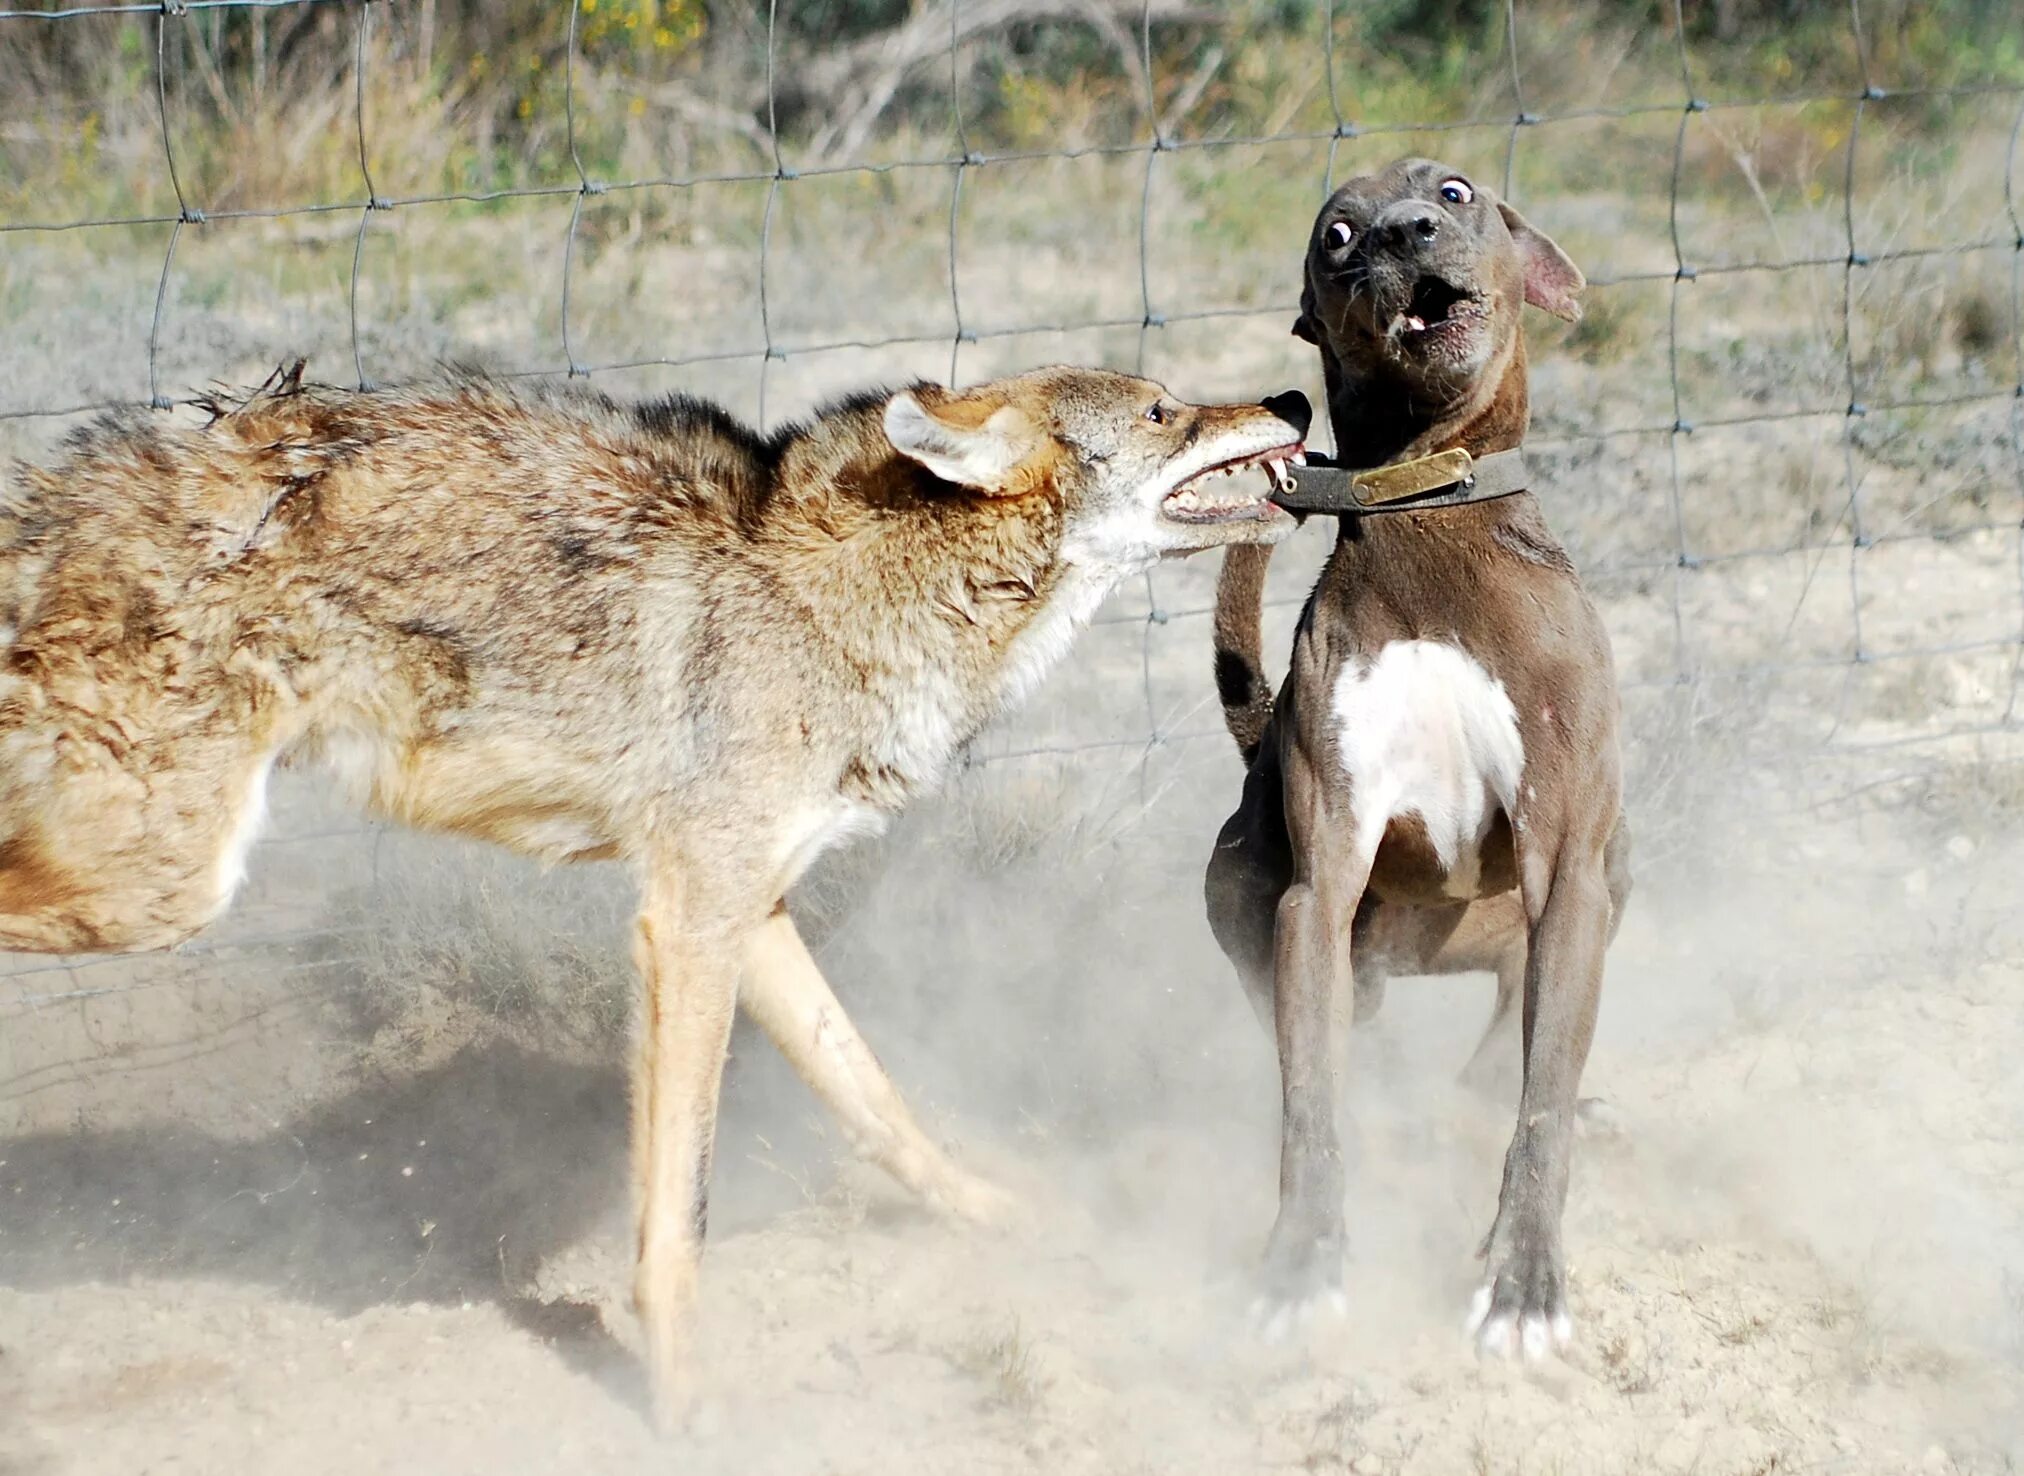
1436	304
1234	490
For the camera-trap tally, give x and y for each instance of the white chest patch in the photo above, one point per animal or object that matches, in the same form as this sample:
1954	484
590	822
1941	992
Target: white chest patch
1424	730
1039	648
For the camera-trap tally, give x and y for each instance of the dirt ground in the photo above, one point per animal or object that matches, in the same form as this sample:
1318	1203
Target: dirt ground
326	1238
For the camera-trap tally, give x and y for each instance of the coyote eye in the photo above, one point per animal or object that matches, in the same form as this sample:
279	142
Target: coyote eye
1457	191
1156	413
1340	235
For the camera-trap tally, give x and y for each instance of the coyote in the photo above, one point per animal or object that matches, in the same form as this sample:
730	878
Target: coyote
584	630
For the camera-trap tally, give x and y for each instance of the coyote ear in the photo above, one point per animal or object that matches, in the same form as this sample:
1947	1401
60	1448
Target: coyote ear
972	441
1551	278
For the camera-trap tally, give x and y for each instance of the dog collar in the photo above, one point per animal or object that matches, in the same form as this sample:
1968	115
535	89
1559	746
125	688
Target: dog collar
1444	479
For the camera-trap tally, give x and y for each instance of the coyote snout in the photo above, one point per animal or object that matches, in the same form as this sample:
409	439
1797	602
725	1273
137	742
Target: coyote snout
1138	473
582	630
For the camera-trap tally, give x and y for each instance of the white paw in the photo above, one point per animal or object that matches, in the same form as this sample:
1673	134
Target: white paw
1507	1335
1278	1320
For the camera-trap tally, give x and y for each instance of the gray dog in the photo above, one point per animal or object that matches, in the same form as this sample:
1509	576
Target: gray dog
1438	784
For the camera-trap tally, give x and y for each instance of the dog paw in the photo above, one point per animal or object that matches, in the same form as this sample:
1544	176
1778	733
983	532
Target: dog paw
1276	1321
1301	1288
1521	1311
1507	1335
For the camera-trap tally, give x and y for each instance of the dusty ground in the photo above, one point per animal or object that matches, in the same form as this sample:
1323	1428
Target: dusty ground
391	1238
340	1189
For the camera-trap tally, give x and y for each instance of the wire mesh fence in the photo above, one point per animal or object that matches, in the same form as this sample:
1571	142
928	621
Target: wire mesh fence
1905	544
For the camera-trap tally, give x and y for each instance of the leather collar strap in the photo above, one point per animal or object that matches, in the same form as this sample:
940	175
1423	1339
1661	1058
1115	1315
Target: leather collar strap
1444	479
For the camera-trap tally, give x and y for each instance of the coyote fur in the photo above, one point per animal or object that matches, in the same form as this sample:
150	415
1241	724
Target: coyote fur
582	630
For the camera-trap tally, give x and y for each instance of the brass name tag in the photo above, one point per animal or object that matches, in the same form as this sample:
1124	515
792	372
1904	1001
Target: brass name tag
1411	478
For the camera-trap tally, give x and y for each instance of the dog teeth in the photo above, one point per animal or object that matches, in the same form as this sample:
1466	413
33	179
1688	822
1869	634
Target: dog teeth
1416	323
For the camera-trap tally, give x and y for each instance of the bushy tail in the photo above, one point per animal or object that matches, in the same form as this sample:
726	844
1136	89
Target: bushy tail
1240	645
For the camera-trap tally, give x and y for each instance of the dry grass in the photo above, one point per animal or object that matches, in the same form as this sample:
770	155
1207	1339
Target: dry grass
1007	1366
541	957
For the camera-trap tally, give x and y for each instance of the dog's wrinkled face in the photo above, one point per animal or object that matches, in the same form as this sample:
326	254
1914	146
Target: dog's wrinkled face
1421	272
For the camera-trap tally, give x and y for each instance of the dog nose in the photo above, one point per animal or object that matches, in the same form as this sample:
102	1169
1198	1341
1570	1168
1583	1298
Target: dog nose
1416	231
1410	225
1291	406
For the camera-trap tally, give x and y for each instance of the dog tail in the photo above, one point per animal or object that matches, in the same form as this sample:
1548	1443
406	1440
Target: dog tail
1241	682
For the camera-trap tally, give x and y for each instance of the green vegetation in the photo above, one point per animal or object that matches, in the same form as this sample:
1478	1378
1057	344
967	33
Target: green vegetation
462	97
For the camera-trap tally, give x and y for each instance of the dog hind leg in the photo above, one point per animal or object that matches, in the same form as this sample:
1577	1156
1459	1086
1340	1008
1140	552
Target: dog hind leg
1248	872
1493	937
785	994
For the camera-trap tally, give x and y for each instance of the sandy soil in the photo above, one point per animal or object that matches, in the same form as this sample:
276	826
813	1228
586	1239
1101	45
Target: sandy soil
1801	1252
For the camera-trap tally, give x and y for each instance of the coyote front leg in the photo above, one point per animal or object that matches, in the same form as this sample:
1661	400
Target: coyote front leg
689	966
785	993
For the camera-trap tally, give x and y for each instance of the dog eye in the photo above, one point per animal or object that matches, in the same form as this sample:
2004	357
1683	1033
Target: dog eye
1340	235
1457	192
1156	413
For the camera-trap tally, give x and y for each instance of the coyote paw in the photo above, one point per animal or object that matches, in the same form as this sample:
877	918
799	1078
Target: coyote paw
975	1201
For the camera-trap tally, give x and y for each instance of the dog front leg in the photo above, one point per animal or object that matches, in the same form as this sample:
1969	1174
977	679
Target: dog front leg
785	993
1521	1307
689	968
1311	998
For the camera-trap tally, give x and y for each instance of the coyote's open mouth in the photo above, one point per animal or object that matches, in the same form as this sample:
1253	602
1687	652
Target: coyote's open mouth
1224	493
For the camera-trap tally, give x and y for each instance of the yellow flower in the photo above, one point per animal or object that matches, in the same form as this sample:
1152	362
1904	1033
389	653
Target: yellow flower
637	106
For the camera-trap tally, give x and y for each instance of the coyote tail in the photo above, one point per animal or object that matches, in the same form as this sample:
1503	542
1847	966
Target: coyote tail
1241	682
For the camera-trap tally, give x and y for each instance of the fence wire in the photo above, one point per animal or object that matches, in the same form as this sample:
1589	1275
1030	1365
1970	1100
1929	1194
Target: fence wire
27	985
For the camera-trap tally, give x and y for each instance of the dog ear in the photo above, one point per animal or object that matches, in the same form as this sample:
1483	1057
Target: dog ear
1551	278
975	440
1304	325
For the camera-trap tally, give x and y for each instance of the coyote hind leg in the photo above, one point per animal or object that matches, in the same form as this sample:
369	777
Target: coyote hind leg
785	993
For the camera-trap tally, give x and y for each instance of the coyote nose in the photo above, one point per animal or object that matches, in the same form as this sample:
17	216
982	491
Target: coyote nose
1291	406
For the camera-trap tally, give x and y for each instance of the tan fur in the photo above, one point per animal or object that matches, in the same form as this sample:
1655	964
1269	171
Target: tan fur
582	630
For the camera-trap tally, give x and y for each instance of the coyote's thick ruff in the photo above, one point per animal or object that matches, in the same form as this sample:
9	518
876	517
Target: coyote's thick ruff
582	630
